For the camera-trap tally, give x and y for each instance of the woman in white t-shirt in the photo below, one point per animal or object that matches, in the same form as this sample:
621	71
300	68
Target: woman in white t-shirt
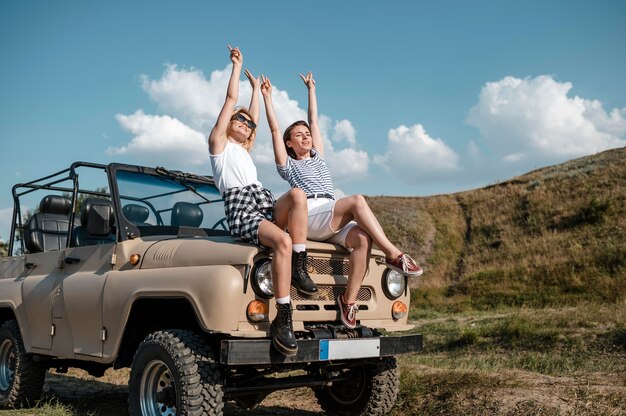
252	212
348	221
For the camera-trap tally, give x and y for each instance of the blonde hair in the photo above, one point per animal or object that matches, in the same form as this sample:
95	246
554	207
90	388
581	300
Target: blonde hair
250	140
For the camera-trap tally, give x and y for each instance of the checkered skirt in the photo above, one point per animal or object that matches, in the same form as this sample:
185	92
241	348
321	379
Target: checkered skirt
245	209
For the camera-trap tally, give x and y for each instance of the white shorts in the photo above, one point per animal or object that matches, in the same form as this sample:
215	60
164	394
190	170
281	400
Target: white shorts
321	212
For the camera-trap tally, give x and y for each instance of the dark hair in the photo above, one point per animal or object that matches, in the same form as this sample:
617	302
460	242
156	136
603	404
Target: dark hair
287	136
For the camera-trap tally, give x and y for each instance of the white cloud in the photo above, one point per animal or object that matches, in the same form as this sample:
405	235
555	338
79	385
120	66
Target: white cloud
344	164
534	119
344	131
187	95
413	155
191	104
347	163
161	140
514	157
474	154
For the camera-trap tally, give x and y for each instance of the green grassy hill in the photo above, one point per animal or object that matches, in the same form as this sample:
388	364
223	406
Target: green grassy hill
522	301
552	237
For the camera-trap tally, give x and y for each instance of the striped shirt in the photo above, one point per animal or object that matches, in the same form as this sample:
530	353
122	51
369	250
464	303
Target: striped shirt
310	175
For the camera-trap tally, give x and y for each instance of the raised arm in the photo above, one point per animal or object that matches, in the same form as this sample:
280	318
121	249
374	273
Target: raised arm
316	134
217	137
255	108
280	152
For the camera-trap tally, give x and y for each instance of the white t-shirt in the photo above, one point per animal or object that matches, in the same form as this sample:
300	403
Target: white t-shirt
233	168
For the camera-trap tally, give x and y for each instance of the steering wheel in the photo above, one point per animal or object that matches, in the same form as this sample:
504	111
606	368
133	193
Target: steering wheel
221	223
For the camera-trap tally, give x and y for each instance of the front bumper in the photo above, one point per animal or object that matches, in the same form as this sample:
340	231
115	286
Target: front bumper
260	351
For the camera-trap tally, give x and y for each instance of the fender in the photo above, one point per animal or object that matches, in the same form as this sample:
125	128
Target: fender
214	292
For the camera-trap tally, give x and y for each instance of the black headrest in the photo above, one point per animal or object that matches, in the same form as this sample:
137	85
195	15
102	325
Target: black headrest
135	213
96	209
55	204
186	214
47	230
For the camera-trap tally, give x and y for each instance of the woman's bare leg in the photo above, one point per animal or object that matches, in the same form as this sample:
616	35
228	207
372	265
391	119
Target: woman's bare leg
291	212
281	329
361	244
275	238
355	208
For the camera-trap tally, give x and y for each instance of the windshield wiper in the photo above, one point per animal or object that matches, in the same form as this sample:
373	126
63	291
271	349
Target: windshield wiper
181	178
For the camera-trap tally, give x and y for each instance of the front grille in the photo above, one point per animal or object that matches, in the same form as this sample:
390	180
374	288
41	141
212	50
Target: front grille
327	266
331	293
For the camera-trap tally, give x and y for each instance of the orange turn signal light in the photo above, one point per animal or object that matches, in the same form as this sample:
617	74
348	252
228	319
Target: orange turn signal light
399	310
134	259
258	311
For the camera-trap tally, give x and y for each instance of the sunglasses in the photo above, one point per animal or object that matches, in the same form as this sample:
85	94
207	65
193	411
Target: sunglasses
242	119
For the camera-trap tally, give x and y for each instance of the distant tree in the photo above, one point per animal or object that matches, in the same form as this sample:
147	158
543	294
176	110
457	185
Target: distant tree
18	231
81	197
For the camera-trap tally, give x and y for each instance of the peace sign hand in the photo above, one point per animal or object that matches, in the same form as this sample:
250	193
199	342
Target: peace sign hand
254	82
308	80
266	87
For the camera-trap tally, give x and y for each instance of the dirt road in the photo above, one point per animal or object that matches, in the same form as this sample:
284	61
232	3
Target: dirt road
108	396
509	393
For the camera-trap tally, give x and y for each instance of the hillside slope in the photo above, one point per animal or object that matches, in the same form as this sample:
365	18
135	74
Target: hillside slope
554	236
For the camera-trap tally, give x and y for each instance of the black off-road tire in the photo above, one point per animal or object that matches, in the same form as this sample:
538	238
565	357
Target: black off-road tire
174	371
372	390
210	377
21	379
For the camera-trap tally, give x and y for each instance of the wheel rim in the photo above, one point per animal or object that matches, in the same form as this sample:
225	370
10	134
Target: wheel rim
349	391
157	391
7	364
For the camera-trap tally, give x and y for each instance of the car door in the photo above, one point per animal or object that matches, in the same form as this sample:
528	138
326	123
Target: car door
77	303
38	287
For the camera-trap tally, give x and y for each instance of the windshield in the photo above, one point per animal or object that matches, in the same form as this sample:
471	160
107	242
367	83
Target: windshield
162	204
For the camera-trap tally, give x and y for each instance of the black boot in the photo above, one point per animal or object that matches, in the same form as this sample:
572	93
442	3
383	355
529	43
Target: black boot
283	337
300	278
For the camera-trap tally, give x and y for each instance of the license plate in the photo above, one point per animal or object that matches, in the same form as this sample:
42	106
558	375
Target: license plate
336	349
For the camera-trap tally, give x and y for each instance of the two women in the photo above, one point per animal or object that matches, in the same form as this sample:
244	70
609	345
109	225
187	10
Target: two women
252	212
255	216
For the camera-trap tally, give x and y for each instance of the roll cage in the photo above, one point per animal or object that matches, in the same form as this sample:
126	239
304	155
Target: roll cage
67	181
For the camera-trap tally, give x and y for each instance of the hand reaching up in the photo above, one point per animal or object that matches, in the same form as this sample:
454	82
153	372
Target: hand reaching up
254	82
236	57
308	80
266	87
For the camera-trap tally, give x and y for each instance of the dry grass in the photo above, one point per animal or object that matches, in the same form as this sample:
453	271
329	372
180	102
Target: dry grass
555	236
559	361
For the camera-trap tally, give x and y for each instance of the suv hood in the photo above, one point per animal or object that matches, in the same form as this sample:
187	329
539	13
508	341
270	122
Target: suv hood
190	251
193	251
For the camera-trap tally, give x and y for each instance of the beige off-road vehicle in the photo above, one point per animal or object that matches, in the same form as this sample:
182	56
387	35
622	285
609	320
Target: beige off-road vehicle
119	265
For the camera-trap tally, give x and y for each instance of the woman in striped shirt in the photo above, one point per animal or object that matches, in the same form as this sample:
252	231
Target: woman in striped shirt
348	221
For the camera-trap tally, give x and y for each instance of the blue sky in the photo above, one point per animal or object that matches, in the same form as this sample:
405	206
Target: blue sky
417	98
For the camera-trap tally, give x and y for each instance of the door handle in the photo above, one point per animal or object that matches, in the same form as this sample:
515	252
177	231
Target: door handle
71	260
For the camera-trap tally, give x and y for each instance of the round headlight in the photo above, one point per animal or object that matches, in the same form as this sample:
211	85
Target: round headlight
262	279
393	284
